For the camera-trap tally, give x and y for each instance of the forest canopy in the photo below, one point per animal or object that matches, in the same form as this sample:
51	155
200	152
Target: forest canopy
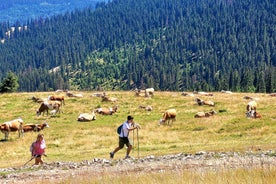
180	45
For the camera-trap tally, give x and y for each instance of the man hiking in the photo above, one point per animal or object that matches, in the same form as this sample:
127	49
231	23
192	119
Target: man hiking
123	137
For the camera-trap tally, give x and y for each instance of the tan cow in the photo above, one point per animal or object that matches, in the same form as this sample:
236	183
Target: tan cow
205	114
168	116
12	126
106	111
109	99
204	102
208	102
57	98
35	127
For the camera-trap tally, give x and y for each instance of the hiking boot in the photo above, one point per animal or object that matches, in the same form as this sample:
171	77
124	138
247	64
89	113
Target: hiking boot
111	155
127	157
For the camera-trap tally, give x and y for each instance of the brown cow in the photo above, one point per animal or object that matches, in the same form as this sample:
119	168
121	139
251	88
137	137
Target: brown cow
205	114
106	111
57	98
35	127
12	126
49	105
168	116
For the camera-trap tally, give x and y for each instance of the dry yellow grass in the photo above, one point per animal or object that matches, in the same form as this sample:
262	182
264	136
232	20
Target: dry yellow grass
69	140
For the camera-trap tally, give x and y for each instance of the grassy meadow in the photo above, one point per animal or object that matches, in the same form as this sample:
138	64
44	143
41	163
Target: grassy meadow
70	140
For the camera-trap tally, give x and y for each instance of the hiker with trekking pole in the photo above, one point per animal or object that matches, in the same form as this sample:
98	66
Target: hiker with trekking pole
37	150
123	131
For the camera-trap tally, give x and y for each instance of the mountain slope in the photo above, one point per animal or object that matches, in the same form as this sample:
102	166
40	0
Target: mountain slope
24	10
169	45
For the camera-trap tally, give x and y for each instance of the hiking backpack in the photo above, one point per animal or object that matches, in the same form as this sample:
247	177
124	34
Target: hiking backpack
119	129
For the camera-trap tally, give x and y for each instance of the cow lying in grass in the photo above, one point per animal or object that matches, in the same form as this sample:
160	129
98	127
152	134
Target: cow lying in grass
87	116
106	111
54	106
147	108
109	99
35	127
38	100
12	126
169	116
204	102
205	114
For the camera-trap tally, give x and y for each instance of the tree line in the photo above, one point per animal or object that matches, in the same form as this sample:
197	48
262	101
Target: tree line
179	45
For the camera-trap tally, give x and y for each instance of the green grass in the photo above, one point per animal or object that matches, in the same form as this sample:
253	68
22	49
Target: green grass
70	140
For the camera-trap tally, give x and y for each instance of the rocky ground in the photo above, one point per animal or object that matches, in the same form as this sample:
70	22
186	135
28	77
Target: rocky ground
199	162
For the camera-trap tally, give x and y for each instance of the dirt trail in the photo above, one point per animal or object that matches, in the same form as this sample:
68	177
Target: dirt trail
199	162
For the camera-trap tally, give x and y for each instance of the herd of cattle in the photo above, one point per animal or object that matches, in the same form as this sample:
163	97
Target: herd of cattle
54	103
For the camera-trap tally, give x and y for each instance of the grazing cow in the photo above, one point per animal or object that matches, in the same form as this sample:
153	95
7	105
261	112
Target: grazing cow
57	98
147	108
12	126
87	117
49	105
109	99
168	116
149	92
35	127
205	114
106	111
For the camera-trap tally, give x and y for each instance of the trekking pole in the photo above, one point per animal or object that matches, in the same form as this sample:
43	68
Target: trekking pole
29	160
138	143
133	137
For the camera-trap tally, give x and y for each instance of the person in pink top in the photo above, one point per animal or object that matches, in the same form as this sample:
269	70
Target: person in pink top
38	149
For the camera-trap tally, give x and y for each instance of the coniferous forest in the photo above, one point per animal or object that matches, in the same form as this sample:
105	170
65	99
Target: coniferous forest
176	45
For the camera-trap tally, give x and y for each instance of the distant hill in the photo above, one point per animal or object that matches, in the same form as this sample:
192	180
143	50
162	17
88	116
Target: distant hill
180	45
24	10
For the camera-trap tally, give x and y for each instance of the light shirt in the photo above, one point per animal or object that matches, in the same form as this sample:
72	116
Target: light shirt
124	132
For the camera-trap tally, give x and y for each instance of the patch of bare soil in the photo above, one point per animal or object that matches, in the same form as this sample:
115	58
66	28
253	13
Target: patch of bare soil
200	162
